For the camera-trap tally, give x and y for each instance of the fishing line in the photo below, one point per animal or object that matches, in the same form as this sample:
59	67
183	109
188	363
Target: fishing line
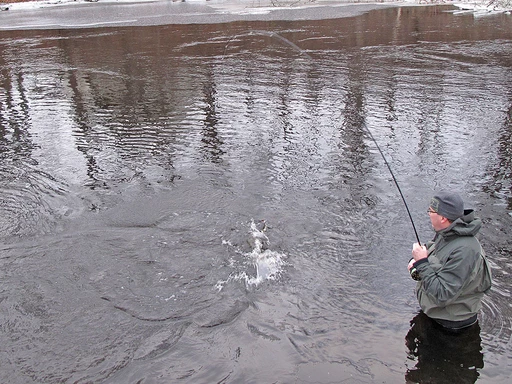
297	48
394	179
271	35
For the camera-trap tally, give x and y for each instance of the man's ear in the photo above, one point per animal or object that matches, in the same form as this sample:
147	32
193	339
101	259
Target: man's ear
445	220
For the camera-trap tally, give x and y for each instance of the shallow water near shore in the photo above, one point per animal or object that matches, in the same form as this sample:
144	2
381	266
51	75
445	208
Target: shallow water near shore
137	164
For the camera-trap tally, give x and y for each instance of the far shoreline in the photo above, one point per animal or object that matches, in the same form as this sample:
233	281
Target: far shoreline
473	5
64	14
79	14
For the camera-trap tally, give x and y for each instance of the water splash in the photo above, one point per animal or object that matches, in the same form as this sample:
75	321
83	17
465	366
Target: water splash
268	264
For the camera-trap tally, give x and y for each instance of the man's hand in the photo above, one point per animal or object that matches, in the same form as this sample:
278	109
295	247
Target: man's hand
419	252
411	263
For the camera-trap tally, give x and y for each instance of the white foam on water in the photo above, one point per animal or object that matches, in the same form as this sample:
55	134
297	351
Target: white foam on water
269	264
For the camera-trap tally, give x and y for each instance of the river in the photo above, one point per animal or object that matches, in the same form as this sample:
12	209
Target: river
138	162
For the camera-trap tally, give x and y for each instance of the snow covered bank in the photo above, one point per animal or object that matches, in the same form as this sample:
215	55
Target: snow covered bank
490	6
477	6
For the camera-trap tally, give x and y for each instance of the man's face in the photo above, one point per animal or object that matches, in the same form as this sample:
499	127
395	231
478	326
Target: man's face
438	221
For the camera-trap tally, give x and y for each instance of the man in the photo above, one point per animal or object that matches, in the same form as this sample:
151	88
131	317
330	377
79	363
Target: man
452	271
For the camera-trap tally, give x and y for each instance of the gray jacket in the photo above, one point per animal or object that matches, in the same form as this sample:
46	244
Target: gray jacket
456	273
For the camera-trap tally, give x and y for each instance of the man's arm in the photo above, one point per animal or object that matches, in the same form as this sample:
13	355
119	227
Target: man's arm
445	283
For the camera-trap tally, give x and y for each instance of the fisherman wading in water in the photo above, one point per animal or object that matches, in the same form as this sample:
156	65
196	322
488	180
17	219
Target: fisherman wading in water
452	271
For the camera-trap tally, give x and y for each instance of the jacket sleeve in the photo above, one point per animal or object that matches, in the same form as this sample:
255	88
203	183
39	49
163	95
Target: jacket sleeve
445	284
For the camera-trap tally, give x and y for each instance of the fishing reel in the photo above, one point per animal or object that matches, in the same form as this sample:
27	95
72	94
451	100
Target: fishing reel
414	272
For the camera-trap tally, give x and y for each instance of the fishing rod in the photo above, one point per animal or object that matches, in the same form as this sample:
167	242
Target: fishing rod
394	179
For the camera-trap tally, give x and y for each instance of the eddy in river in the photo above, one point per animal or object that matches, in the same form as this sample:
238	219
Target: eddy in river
452	271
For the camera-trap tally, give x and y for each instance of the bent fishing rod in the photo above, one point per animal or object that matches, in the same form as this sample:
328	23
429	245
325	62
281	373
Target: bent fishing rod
394	179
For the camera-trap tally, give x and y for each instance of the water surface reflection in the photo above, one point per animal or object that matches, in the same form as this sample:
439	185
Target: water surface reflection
135	162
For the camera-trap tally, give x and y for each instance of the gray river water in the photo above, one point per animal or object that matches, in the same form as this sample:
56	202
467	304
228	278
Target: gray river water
136	164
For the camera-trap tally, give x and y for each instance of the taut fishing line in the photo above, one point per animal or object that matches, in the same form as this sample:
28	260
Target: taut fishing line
269	34
297	48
